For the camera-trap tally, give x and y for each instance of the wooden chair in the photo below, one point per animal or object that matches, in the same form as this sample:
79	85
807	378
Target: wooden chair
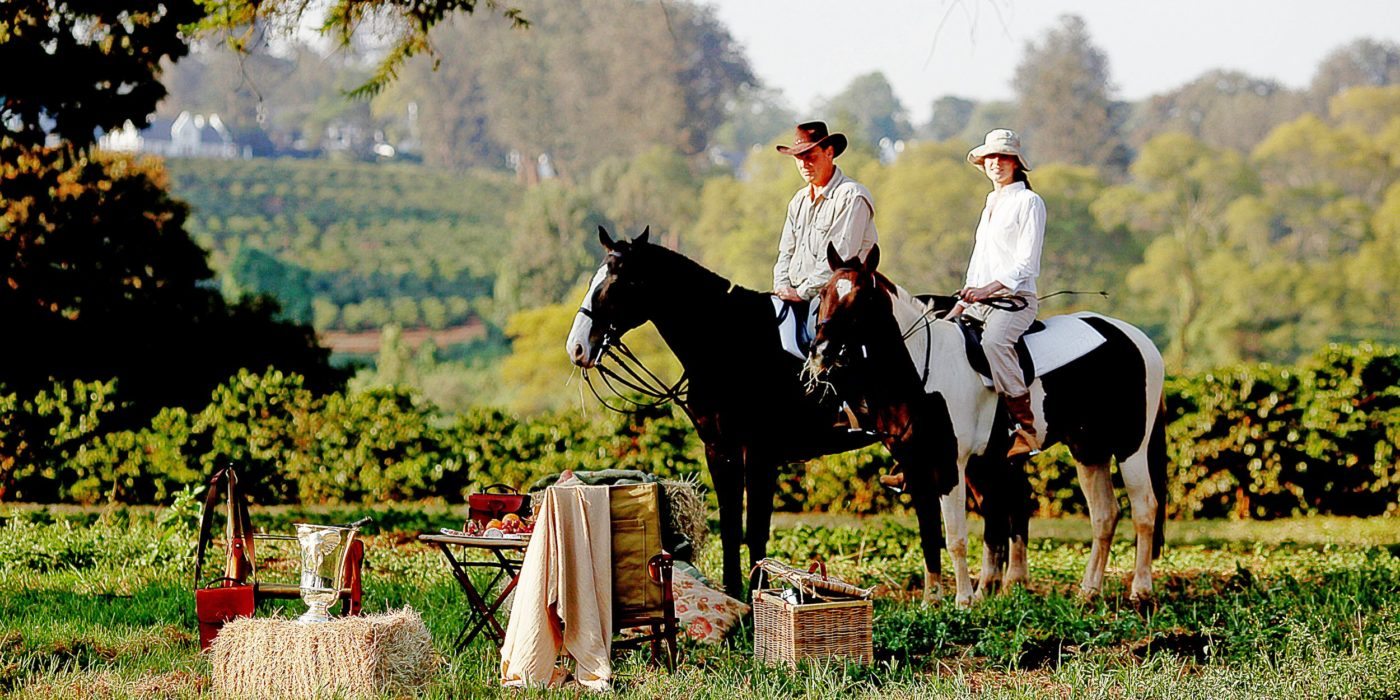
642	594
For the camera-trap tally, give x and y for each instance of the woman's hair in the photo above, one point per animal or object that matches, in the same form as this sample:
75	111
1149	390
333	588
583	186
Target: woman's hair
1020	175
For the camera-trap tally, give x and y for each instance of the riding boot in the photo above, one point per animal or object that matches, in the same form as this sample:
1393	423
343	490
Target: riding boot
1026	442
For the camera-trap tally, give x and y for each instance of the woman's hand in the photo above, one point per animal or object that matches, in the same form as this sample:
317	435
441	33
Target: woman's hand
972	295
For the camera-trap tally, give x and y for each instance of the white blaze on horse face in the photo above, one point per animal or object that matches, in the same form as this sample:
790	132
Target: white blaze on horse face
844	287
577	346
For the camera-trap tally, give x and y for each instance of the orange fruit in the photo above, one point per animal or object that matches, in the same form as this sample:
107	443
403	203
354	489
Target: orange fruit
494	523
511	518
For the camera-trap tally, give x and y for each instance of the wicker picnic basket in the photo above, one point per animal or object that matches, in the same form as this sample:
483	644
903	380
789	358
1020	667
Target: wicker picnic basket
817	626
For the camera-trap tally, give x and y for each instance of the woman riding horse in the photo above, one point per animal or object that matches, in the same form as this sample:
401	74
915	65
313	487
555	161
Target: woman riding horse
878	347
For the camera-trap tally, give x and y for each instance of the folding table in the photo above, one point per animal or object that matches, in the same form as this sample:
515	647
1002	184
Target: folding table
481	615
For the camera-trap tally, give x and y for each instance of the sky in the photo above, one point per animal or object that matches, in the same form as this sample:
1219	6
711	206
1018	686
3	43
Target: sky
811	49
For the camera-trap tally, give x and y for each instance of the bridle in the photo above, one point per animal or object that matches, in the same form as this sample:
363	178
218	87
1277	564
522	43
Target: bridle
632	374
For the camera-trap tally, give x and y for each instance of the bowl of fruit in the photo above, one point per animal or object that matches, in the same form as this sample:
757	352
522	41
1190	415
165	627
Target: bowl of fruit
510	526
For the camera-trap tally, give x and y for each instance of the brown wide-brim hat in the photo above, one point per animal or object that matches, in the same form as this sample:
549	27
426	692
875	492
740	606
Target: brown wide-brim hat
810	135
1003	141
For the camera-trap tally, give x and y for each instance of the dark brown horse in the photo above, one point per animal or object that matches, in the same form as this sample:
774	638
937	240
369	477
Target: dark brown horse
746	397
878	347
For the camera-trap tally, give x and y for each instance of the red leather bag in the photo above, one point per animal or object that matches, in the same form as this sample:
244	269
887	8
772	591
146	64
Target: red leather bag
485	506
215	606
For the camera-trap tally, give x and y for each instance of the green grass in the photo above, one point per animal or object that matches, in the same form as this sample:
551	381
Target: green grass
1293	608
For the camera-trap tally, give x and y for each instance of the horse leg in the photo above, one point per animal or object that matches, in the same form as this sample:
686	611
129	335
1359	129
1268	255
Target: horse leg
762	481
1018	519
1097	483
728	480
923	490
1144	505
955	520
985	489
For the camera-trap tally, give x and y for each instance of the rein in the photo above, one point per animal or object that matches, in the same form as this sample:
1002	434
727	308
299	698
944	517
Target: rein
638	379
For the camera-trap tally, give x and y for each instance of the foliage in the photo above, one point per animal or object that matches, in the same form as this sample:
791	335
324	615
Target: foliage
869	111
1259	442
406	24
331	238
587	82
1224	109
94	254
1062	88
40	434
87	66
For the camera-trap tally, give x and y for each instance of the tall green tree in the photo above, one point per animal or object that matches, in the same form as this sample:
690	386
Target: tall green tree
868	110
1175	207
1064	104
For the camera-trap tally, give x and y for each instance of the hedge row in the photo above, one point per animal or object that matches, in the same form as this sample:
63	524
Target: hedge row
1247	441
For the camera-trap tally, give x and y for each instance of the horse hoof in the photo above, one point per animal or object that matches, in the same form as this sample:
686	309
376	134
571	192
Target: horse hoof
1088	594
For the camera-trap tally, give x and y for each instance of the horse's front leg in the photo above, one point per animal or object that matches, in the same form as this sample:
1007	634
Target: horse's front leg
955	521
923	490
728	480
762	482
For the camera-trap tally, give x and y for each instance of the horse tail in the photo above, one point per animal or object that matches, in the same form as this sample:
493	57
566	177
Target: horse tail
1157	473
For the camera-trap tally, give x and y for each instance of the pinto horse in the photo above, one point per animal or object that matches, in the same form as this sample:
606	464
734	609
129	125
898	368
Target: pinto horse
746	399
878	347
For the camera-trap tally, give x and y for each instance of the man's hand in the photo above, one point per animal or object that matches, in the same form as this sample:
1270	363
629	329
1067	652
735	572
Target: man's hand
975	294
787	293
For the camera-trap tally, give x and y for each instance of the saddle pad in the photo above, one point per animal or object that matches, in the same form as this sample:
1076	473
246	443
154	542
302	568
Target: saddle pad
1065	339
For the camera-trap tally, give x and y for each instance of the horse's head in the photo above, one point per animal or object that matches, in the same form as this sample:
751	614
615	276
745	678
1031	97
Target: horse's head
614	302
851	302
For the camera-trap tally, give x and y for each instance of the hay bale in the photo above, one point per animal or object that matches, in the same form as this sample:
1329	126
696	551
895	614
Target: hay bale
686	510
349	657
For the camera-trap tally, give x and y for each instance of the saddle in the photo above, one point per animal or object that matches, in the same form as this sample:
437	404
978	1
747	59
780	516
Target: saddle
972	338
797	325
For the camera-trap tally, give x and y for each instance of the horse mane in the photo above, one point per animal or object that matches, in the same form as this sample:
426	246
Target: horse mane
681	271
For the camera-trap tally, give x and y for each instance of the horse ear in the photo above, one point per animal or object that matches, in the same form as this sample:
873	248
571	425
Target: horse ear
872	261
646	232
833	258
605	239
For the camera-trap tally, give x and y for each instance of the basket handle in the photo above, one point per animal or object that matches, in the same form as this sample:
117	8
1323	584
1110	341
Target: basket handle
812	568
501	488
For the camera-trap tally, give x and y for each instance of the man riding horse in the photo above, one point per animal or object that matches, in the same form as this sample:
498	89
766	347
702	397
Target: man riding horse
831	208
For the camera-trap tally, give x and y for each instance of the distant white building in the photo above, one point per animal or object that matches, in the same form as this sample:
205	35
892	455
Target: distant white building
189	136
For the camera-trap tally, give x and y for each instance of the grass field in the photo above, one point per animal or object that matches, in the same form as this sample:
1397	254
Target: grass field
1297	608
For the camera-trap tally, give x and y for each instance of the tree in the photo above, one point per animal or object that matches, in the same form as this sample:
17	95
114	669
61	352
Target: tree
86	66
1176	209
1063	100
403	25
949	116
1359	63
553	247
100	276
1223	109
868	110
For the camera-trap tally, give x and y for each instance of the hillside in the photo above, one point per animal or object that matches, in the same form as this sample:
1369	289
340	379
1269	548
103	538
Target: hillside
350	246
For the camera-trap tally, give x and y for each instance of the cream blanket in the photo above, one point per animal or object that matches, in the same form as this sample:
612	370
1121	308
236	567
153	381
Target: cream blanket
563	601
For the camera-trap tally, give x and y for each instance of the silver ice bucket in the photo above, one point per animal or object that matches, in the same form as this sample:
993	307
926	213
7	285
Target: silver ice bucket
324	551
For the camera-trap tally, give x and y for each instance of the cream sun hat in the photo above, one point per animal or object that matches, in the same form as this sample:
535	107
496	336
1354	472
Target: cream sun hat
1003	141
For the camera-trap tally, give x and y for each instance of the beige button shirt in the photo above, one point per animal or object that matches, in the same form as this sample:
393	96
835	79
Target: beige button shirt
1010	235
842	213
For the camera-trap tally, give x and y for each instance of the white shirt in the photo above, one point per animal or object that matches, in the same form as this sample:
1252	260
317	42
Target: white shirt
1010	235
840	213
